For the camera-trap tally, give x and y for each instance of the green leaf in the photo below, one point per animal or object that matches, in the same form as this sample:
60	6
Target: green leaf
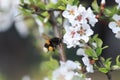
50	65
22	1
61	7
118	60
115	67
98	51
75	2
108	63
91	52
41	5
108	12
105	47
51	6
103	70
32	1
95	6
102	59
45	14
99	42
95	36
70	1
64	1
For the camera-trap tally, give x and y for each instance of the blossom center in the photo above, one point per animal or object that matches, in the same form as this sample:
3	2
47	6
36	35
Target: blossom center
79	17
71	12
81	31
72	34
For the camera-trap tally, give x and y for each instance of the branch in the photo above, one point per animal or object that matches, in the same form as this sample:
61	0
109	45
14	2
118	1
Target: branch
109	76
57	34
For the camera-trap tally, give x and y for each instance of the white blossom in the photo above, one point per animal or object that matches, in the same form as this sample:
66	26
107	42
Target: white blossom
71	37
89	67
85	59
80	16
70	12
118	2
65	71
115	25
85	31
91	17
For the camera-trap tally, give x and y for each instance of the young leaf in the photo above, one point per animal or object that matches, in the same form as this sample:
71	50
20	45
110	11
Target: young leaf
95	6
105	47
75	2
118	60
108	63
108	12
70	2
91	52
61	7
103	70
98	51
32	1
22	1
99	42
51	6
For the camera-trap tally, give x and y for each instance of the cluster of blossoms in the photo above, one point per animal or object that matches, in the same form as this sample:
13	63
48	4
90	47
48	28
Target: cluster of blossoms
68	71
78	25
85	59
115	25
78	28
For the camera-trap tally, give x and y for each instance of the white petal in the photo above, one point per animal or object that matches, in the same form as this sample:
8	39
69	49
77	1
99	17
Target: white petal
117	35
86	60
89	32
85	38
81	51
116	17
90	68
103	2
113	26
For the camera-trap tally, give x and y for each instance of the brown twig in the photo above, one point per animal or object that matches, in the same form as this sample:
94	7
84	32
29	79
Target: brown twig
109	76
57	34
102	8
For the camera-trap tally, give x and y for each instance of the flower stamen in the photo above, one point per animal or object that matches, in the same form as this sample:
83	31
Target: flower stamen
81	31
71	12
79	18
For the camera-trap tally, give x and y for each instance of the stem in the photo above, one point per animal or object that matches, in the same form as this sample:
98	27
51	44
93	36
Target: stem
62	54
109	76
57	34
108	73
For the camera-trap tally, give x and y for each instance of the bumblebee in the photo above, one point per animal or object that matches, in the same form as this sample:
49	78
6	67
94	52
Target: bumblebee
51	44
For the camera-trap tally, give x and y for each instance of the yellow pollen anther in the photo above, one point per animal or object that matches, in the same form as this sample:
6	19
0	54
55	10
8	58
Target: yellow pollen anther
71	12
